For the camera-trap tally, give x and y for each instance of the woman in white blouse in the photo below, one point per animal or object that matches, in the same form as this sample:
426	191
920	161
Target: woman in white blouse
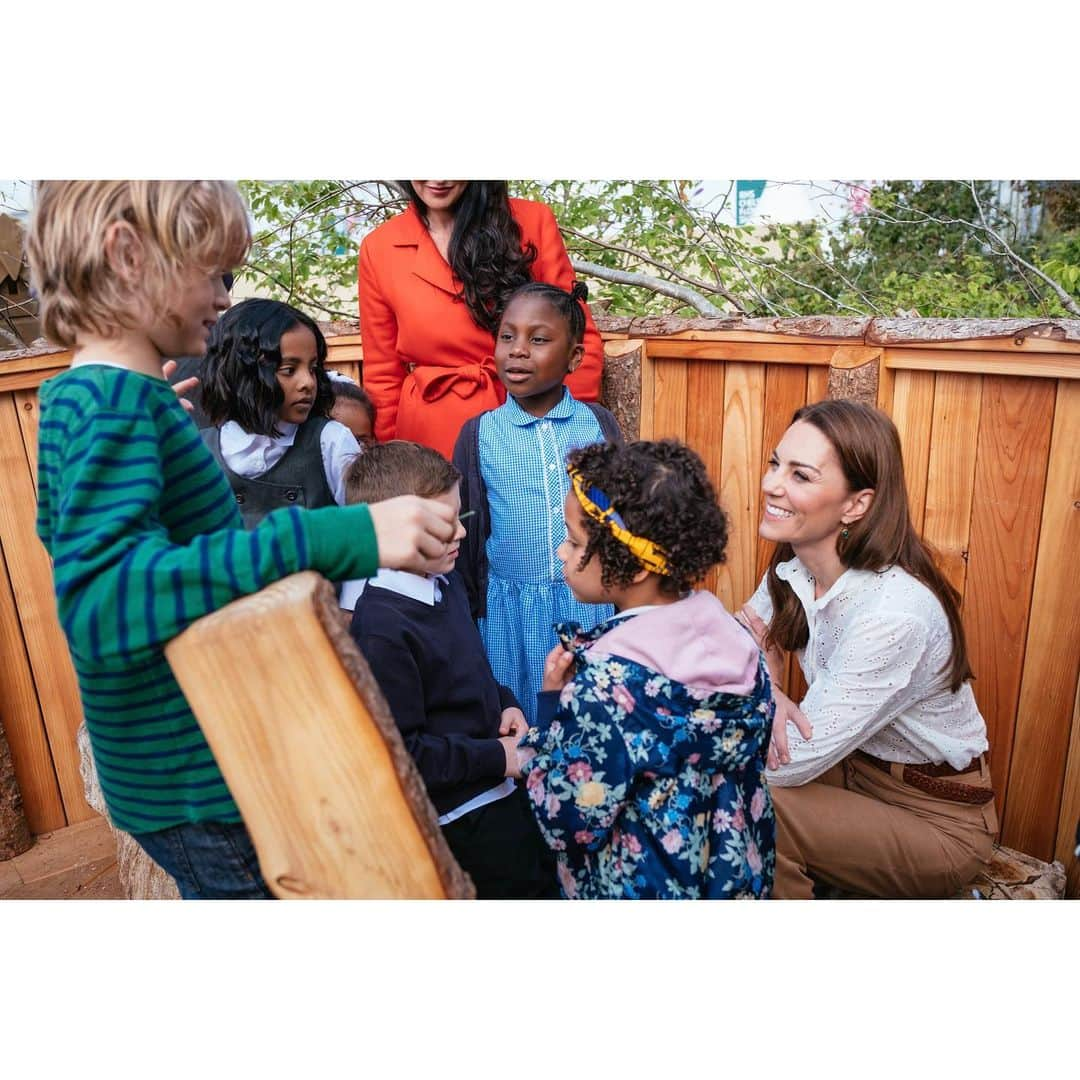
889	795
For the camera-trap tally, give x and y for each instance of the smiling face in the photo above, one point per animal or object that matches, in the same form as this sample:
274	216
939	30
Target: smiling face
296	374
438	195
534	353
807	500
199	298
451	498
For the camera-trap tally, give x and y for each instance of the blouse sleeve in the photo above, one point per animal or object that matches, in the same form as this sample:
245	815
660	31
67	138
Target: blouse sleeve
553	266
383	370
339	447
878	671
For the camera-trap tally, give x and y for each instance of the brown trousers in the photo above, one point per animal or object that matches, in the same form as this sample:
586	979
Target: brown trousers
866	831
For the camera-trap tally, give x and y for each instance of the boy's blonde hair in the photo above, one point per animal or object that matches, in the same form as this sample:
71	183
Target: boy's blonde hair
183	225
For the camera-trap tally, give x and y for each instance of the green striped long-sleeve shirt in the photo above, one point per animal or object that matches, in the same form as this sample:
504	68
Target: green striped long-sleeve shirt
145	538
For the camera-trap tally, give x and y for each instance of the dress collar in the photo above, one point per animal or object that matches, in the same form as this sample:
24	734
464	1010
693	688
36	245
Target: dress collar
235	440
798	577
562	411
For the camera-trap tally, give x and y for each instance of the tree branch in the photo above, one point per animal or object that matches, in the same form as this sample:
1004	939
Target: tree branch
653	284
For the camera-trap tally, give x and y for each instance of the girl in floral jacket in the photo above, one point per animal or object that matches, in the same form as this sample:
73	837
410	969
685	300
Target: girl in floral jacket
648	777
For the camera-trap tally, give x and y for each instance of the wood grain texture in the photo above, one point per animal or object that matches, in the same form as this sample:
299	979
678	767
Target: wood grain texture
913	414
1034	365
330	796
1052	655
669	399
31	578
950	476
704	430
21	718
817	384
648	393
1069	815
1010	477
758	353
26	408
740	485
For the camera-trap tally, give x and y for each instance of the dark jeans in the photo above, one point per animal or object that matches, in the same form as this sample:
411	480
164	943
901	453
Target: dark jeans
501	849
210	860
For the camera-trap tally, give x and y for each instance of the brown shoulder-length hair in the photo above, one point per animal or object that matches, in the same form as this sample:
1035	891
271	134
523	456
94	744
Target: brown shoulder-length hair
868	447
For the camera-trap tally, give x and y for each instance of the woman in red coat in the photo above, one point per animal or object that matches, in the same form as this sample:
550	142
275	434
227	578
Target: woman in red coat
431	284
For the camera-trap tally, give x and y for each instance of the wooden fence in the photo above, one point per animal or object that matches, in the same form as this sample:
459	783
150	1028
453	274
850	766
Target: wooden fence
990	427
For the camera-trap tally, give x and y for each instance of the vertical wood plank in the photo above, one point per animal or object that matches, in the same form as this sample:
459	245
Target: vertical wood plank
913	414
785	392
951	472
704	431
817	383
1010	477
1070	809
1052	656
23	725
346	367
31	579
26	407
744	405
669	399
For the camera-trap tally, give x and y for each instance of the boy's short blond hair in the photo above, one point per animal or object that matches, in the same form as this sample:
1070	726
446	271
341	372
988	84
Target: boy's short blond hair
183	225
398	467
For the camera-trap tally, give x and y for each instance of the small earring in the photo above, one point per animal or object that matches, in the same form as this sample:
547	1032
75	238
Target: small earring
844	533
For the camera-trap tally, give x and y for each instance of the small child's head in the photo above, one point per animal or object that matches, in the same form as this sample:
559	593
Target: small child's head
265	364
137	255
387	470
647	509
353	408
540	340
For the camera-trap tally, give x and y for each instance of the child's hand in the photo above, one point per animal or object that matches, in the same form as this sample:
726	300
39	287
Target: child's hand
412	533
786	710
184	386
516	756
513	722
758	629
558	668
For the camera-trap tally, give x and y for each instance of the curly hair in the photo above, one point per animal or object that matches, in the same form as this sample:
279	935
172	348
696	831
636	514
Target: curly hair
662	492
485	250
240	378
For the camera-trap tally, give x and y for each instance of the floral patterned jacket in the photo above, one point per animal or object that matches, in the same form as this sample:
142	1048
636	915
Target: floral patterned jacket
647	788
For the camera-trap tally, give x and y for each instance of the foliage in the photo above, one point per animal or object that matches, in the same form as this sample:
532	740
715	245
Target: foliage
934	248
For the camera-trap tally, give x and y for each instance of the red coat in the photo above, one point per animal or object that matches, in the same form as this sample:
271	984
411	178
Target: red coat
427	365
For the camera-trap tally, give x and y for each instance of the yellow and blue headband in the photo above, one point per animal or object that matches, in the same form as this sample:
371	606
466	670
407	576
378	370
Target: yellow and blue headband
598	506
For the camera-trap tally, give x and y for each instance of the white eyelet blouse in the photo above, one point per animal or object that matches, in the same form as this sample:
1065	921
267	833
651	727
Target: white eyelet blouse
873	665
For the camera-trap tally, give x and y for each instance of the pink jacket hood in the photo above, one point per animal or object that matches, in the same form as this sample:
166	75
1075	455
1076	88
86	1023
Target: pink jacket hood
694	641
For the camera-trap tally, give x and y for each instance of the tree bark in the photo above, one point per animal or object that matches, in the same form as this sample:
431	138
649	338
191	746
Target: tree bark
15	835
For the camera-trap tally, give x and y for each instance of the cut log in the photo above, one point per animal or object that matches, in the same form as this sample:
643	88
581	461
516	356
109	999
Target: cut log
1012	875
15	835
328	791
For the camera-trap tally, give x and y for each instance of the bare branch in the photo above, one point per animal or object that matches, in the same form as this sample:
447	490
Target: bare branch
653	284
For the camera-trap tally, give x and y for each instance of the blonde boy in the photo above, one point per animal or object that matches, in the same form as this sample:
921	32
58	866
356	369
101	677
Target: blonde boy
141	524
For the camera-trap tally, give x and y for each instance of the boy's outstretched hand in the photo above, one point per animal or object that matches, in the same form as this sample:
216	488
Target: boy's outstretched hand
184	386
558	668
513	722
412	533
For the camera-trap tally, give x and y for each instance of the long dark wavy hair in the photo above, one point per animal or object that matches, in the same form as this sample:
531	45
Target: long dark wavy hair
240	375
868	447
663	493
485	252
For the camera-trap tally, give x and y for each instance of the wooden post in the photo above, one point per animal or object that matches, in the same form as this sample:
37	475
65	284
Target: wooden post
853	373
621	387
15	835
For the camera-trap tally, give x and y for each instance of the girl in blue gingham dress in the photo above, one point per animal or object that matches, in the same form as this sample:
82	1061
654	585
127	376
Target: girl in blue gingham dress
513	465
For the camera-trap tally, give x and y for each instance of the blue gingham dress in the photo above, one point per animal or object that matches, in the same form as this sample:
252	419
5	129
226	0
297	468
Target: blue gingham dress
523	463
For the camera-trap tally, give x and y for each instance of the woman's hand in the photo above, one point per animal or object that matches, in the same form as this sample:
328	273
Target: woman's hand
558	668
513	722
184	386
786	710
516	756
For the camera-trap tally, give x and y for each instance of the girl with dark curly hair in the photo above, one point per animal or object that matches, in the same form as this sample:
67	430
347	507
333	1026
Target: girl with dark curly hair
432	283
268	396
649	775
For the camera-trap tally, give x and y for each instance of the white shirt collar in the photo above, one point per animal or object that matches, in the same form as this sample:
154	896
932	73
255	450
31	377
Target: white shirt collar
802	584
422	587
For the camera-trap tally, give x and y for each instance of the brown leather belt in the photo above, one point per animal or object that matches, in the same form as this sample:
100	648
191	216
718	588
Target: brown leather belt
928	778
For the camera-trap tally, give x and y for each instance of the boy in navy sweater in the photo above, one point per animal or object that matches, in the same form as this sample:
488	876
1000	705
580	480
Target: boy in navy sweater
461	727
